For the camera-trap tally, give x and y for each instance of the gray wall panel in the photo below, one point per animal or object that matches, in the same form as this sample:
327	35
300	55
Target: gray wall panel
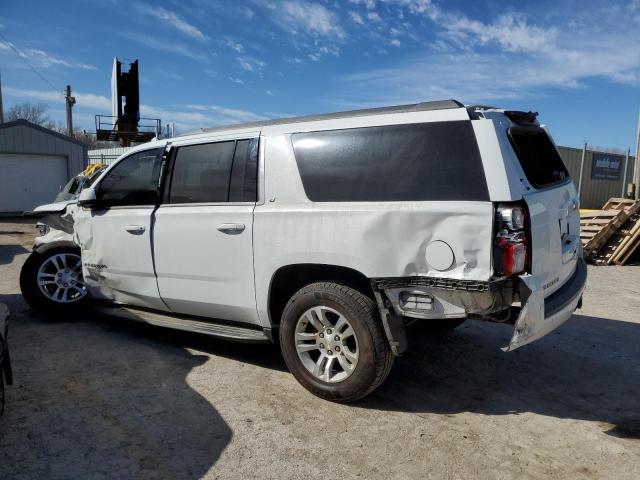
595	192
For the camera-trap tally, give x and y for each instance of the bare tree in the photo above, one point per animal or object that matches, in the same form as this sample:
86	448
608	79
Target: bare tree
38	113
34	113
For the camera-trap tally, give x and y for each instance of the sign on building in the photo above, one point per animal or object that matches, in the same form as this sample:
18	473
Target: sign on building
606	166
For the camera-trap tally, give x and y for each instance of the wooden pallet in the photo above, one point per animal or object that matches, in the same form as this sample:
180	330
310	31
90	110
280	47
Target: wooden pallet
597	227
628	245
619	204
624	240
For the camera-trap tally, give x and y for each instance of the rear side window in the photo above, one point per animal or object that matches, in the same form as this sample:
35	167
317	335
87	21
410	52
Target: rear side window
427	161
244	175
538	156
201	173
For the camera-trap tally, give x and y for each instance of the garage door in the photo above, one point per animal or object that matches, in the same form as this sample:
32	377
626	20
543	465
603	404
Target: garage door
27	181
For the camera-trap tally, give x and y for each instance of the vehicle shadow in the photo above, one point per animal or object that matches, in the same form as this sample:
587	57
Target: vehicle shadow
589	369
89	404
8	252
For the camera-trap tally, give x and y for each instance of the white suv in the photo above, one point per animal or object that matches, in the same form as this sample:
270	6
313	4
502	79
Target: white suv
330	233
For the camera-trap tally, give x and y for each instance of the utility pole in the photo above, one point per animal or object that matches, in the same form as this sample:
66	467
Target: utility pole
70	103
636	167
1	110
584	154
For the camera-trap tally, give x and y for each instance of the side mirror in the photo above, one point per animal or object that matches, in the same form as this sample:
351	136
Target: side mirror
87	198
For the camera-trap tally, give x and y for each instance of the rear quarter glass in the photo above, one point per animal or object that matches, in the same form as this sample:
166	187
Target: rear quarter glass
409	162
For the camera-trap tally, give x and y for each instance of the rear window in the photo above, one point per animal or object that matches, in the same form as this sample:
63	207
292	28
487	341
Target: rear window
411	162
538	156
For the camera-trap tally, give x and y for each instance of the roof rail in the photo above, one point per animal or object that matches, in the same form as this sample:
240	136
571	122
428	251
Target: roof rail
414	107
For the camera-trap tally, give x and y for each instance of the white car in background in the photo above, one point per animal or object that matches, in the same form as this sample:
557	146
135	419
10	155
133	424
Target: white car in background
330	233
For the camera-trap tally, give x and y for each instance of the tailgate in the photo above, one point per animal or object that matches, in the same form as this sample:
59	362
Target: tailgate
555	235
553	208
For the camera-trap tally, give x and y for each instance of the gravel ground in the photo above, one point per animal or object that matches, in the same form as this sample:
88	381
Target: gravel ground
98	397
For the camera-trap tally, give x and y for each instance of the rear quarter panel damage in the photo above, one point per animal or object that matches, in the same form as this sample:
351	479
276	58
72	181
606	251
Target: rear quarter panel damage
377	239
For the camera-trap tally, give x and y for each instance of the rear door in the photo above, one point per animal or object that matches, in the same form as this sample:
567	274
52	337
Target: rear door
203	231
553	206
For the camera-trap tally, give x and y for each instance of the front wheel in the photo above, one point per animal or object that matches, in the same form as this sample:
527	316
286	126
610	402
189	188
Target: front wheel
333	342
51	280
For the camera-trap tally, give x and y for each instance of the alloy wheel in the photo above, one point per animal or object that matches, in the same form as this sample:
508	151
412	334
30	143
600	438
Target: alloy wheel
326	344
60	278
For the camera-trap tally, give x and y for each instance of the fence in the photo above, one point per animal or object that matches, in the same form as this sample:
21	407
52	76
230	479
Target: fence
600	176
106	155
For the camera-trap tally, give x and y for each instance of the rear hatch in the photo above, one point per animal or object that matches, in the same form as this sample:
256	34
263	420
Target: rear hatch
553	207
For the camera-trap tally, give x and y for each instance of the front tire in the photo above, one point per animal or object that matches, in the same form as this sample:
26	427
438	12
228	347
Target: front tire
51	280
333	342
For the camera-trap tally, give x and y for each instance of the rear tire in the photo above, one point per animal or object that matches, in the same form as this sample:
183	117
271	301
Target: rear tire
333	342
51	280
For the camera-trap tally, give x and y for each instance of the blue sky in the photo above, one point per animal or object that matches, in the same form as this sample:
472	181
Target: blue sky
212	62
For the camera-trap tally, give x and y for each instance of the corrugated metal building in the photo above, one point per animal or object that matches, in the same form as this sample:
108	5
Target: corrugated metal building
35	163
598	186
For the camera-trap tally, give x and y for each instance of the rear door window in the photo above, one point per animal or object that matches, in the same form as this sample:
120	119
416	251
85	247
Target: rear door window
410	162
538	156
201	173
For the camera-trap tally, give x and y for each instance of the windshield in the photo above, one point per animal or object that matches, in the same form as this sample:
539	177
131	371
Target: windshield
72	189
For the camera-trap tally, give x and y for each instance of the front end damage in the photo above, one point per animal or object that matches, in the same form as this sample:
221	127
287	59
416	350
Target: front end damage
519	301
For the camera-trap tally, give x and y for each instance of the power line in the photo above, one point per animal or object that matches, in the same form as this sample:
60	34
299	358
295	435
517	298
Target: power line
22	57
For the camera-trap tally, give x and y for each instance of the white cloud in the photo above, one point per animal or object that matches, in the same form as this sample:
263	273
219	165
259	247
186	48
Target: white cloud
374	17
510	31
165	46
414	6
194	116
251	64
238	47
303	17
369	4
508	57
83	100
43	59
173	20
395	42
356	18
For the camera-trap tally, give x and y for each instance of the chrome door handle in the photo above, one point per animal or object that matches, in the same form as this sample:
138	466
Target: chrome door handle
231	228
135	229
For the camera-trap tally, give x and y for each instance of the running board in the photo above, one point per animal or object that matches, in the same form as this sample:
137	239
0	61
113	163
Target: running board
180	322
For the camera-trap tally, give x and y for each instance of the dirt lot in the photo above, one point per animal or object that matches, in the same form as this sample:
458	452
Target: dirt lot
98	397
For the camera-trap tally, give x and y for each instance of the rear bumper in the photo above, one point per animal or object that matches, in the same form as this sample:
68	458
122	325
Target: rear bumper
540	315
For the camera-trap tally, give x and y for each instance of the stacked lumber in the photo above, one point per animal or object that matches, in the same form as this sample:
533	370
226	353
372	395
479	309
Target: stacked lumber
621	238
597	227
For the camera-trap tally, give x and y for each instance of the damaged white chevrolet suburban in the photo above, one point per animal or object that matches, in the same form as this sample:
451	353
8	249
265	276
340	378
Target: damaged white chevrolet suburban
330	233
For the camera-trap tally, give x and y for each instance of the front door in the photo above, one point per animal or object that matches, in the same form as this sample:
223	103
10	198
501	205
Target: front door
115	235
203	231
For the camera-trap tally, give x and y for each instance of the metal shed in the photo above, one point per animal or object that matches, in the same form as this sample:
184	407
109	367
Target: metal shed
596	188
35	163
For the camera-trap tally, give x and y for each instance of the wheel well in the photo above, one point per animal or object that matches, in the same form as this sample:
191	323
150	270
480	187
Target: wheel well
288	280
57	244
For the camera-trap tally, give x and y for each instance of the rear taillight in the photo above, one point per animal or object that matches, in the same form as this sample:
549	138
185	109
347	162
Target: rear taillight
511	252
